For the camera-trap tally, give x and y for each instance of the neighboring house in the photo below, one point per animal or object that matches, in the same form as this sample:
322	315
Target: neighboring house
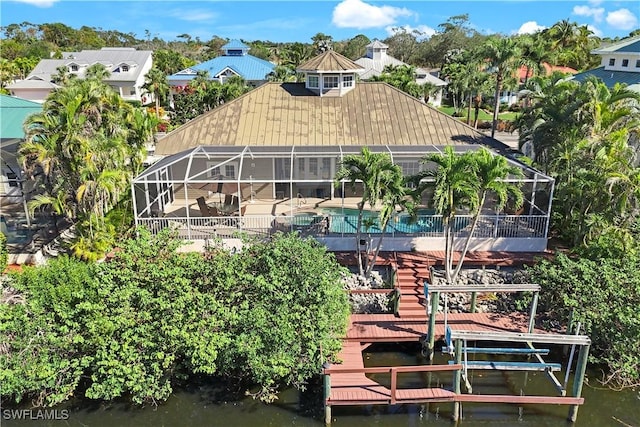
376	59
128	68
267	161
235	61
13	112
620	64
524	74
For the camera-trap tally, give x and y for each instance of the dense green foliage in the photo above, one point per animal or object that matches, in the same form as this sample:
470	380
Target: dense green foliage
602	294
152	316
4	255
82	150
584	136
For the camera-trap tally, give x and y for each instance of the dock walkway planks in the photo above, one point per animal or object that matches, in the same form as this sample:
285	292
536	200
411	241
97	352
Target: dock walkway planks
369	328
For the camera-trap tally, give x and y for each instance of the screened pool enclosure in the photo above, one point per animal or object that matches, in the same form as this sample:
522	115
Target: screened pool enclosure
222	192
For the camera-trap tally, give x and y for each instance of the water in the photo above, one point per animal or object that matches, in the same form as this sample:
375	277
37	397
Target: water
345	220
204	405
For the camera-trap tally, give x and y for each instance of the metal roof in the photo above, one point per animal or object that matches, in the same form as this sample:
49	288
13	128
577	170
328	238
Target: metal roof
329	61
631	44
13	112
287	114
610	77
247	66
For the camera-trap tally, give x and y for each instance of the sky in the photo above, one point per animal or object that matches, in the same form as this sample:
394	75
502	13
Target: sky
299	20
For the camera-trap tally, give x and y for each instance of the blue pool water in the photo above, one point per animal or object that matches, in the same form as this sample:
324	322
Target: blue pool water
346	221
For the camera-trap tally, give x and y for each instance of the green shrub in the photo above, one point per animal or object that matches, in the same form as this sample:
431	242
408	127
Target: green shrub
4	254
602	294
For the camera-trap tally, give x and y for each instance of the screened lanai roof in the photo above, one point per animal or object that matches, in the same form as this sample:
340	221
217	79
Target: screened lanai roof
186	168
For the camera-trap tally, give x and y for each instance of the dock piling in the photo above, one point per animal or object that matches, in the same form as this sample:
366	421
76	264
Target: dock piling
578	380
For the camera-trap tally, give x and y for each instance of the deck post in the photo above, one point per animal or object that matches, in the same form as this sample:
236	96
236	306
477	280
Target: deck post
532	314
327	394
456	378
578	380
435	301
474	295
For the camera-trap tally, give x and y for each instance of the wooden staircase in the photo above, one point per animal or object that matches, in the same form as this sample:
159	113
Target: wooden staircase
410	279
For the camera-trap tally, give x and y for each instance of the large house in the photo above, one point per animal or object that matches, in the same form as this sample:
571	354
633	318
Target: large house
266	162
620	63
127	67
377	58
235	61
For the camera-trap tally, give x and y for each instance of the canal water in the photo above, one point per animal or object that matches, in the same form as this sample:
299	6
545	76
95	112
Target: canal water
205	405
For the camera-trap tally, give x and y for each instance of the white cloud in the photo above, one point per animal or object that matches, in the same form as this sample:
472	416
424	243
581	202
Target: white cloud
622	19
596	31
358	14
596	12
595	2
425	30
193	15
530	27
39	3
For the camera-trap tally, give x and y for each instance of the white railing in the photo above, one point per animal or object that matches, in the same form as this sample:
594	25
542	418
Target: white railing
489	226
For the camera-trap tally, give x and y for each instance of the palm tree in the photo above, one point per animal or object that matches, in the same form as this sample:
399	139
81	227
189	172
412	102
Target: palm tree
453	188
62	76
464	182
157	85
502	55
373	171
97	71
394	196
491	173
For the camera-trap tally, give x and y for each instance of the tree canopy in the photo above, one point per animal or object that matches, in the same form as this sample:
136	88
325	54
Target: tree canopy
140	323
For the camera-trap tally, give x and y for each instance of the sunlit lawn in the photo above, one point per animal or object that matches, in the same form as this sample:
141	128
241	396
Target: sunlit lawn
484	115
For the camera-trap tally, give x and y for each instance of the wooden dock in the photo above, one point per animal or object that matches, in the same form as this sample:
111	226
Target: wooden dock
370	328
347	384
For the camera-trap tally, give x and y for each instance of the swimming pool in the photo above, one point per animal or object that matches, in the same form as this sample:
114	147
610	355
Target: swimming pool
345	220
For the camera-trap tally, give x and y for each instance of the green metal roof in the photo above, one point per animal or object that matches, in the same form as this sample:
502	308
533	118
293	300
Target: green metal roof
13	112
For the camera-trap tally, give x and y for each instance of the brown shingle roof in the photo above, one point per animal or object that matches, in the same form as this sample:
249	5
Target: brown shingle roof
287	114
329	61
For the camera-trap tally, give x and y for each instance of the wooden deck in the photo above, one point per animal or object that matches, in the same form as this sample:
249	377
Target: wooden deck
347	381
369	328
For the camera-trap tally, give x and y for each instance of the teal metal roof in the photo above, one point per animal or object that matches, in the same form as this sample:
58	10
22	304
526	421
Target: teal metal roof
13	112
609	77
234	44
247	66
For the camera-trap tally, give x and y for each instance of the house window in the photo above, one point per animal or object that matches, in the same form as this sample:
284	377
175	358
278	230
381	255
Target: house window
13	179
313	81
313	167
74	68
347	81
637	63
612	62
125	68
625	62
330	82
228	170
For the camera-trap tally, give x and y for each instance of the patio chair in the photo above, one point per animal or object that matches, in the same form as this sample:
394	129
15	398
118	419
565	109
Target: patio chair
205	210
228	199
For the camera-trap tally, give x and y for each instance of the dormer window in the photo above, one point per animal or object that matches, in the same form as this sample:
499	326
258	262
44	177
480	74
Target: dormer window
347	81
125	68
330	82
313	82
74	68
234	52
625	62
612	62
